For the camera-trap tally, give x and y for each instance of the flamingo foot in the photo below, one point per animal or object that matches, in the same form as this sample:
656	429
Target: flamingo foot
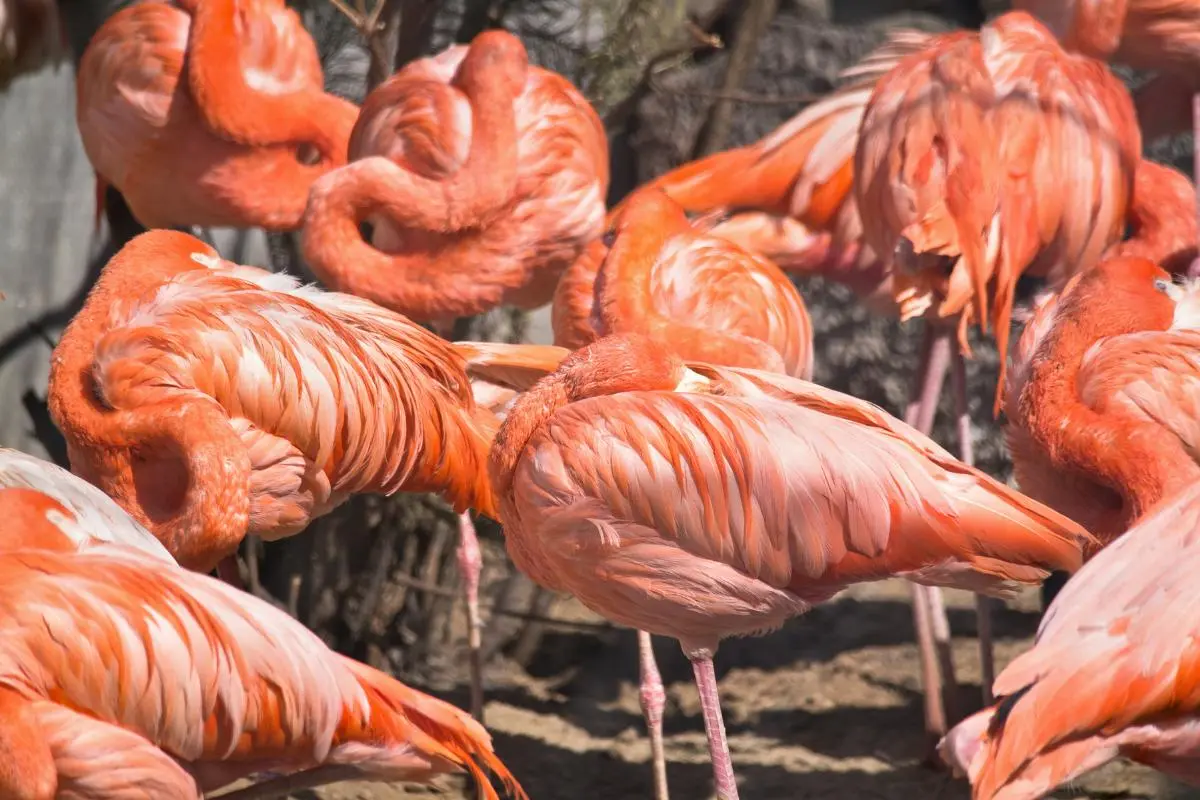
653	699
470	565
714	724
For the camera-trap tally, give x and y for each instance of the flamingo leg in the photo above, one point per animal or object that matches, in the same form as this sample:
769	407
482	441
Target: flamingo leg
227	570
929	610
714	724
295	782
653	699
470	565
966	454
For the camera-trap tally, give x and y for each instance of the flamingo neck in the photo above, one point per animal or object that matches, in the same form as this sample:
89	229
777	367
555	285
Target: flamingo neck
1135	459
178	470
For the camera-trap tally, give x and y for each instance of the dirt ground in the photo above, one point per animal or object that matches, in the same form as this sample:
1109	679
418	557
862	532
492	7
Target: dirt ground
828	707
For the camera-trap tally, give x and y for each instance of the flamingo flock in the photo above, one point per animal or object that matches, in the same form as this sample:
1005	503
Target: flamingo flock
668	461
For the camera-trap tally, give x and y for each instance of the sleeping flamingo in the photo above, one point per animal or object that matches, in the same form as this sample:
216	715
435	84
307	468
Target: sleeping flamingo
657	273
700	502
484	178
212	400
713	301
126	675
1111	674
209	113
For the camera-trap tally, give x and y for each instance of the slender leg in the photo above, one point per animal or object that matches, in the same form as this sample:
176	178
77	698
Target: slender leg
297	781
653	700
966	454
714	724
470	564
1194	269
227	570
929	611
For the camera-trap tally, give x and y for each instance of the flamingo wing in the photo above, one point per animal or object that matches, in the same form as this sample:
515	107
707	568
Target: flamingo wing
210	674
363	394
745	502
1116	650
97	518
1153	376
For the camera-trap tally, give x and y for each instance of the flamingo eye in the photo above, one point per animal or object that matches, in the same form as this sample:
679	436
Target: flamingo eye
609	238
308	155
1162	285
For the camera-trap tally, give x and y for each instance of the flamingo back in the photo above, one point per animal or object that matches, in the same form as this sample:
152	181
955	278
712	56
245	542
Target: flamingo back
1113	670
711	515
211	675
329	393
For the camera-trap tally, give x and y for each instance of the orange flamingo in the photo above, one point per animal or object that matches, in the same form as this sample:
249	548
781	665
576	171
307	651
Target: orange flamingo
701	502
656	273
710	299
1158	35
209	114
789	195
1100	405
484	178
953	180
127	676
94	517
212	400
1111	674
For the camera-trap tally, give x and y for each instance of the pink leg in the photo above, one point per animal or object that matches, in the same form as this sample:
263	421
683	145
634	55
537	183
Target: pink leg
1194	270
929	610
966	454
227	570
470	565
653	700
714	724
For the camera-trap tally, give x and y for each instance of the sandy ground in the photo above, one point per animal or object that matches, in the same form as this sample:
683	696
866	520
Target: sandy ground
828	707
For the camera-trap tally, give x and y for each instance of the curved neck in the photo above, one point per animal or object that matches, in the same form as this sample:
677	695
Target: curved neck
528	414
1162	218
114	448
460	277
237	111
624	296
1135	459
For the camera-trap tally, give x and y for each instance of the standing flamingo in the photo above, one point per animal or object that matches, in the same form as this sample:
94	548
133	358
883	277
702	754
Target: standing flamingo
705	502
959	179
1111	674
127	676
659	274
211	113
484	178
94	515
212	400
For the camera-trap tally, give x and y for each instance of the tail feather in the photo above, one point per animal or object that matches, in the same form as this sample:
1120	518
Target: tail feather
445	732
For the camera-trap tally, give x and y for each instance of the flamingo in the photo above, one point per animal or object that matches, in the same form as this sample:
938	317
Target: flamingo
1100	400
789	196
712	300
211	113
484	178
212	400
31	35
1111	673
658	273
94	516
125	675
1158	35
699	502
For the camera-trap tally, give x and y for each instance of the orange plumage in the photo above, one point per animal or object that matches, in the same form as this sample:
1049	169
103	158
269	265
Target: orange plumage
212	114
